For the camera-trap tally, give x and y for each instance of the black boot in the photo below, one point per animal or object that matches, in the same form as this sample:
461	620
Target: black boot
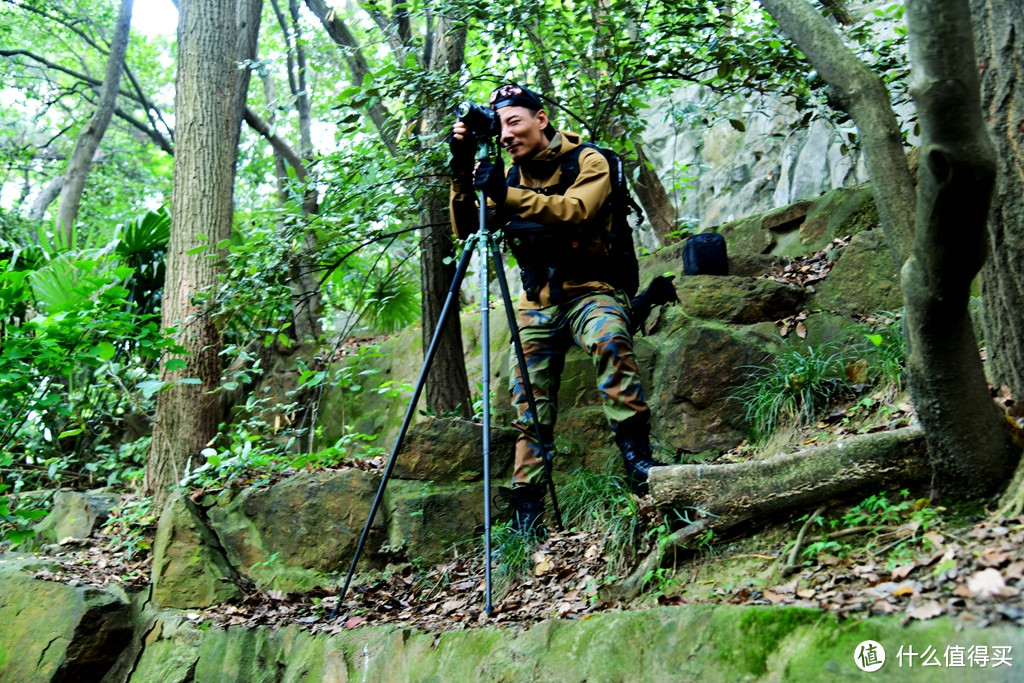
527	504
634	439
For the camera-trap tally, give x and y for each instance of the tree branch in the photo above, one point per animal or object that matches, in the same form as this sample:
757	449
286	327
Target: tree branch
357	64
279	145
865	97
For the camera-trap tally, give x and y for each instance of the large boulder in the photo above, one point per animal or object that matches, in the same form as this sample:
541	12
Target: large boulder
426	521
299	532
189	566
450	449
804	227
740	300
58	632
699	365
76	514
864	279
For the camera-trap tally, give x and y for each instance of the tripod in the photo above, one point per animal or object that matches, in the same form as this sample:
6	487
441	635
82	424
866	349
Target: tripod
486	245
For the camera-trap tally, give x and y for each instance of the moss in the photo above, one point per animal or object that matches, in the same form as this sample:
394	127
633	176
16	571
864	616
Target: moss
758	634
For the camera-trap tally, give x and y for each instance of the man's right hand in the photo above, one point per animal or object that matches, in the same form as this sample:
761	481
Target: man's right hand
463	145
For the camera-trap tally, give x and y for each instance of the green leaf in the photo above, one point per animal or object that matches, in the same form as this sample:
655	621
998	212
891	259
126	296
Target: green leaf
197	250
175	364
152	386
105	350
738	125
123	272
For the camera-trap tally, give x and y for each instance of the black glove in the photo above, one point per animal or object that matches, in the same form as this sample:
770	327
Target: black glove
463	154
491	179
660	291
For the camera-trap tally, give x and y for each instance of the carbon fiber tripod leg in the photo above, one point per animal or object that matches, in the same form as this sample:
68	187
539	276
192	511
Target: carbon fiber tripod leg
450	299
513	328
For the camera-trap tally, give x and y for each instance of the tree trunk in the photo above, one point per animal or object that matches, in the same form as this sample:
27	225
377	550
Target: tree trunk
447	383
999	39
971	450
89	140
763	489
941	249
208	111
661	215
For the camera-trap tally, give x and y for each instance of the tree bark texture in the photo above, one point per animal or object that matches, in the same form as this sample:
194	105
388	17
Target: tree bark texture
999	40
762	489
447	383
864	96
207	128
661	215
89	140
971	450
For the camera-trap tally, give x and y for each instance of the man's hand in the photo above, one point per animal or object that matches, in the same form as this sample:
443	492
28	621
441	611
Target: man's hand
491	179
463	145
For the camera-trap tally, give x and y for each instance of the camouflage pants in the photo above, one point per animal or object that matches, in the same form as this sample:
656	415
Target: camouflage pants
597	323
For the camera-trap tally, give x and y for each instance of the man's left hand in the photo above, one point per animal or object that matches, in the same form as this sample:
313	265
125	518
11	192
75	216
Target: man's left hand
491	179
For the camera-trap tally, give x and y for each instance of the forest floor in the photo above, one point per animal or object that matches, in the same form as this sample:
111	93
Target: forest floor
892	553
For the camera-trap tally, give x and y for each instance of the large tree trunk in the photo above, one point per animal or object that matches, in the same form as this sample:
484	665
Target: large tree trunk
862	93
447	384
941	249
89	140
208	110
971	450
999	39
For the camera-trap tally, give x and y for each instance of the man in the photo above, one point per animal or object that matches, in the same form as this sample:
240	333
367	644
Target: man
559	234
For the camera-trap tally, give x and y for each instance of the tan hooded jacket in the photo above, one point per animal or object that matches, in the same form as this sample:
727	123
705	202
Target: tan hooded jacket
574	211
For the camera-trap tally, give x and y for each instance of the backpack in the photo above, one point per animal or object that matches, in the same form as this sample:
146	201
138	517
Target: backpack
624	272
705	254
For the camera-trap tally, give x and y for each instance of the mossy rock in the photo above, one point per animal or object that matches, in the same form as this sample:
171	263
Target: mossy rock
863	281
300	532
56	632
189	566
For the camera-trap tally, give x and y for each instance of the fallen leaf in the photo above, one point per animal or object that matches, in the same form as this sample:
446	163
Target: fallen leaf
986	583
993	558
1015	570
901	572
926	611
355	621
884	607
903	590
773	598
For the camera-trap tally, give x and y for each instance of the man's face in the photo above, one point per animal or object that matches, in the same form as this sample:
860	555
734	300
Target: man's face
522	132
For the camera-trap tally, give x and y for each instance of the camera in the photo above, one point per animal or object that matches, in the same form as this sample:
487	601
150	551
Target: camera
482	122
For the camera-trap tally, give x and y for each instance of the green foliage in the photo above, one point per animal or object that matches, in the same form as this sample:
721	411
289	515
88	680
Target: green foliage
884	348
130	527
876	516
802	381
599	500
512	552
796	385
81	339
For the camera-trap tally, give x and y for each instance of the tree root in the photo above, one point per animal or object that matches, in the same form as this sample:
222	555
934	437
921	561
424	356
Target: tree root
733	494
792	565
